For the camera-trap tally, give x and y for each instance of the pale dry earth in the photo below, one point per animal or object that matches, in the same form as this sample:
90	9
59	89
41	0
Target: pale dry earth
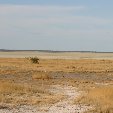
57	55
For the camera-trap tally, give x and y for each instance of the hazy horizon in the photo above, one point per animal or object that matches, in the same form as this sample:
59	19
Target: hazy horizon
62	25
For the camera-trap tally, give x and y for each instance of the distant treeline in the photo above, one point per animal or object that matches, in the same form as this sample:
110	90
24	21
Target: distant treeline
50	51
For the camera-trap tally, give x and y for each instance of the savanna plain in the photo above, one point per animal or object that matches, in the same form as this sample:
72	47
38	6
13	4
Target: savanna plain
60	83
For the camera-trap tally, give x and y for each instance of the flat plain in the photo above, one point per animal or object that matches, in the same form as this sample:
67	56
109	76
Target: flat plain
61	83
56	55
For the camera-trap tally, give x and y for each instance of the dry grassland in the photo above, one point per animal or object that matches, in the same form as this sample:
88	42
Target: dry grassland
8	65
22	82
25	94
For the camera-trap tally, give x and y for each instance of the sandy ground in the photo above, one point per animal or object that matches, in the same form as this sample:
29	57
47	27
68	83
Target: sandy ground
64	106
61	55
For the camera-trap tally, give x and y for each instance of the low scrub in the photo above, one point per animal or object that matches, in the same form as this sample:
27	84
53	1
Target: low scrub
34	60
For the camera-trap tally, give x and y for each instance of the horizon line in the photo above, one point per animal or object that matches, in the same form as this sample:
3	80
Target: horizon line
42	50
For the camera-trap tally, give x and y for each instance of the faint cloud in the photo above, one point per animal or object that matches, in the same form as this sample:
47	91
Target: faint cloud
51	21
37	9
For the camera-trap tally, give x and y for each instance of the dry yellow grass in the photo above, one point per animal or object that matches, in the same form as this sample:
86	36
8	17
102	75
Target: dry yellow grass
40	75
8	65
17	90
101	98
17	94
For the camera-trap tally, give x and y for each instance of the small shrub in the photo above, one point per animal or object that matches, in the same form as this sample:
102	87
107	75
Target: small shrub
34	60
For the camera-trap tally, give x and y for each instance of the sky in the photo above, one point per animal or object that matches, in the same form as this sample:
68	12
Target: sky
60	25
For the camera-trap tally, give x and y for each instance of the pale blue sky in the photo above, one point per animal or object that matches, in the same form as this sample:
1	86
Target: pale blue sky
80	25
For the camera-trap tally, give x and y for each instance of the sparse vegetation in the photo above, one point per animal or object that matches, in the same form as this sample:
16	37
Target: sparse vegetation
17	94
21	82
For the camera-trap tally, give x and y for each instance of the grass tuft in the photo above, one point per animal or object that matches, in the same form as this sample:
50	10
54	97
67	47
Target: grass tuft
101	98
